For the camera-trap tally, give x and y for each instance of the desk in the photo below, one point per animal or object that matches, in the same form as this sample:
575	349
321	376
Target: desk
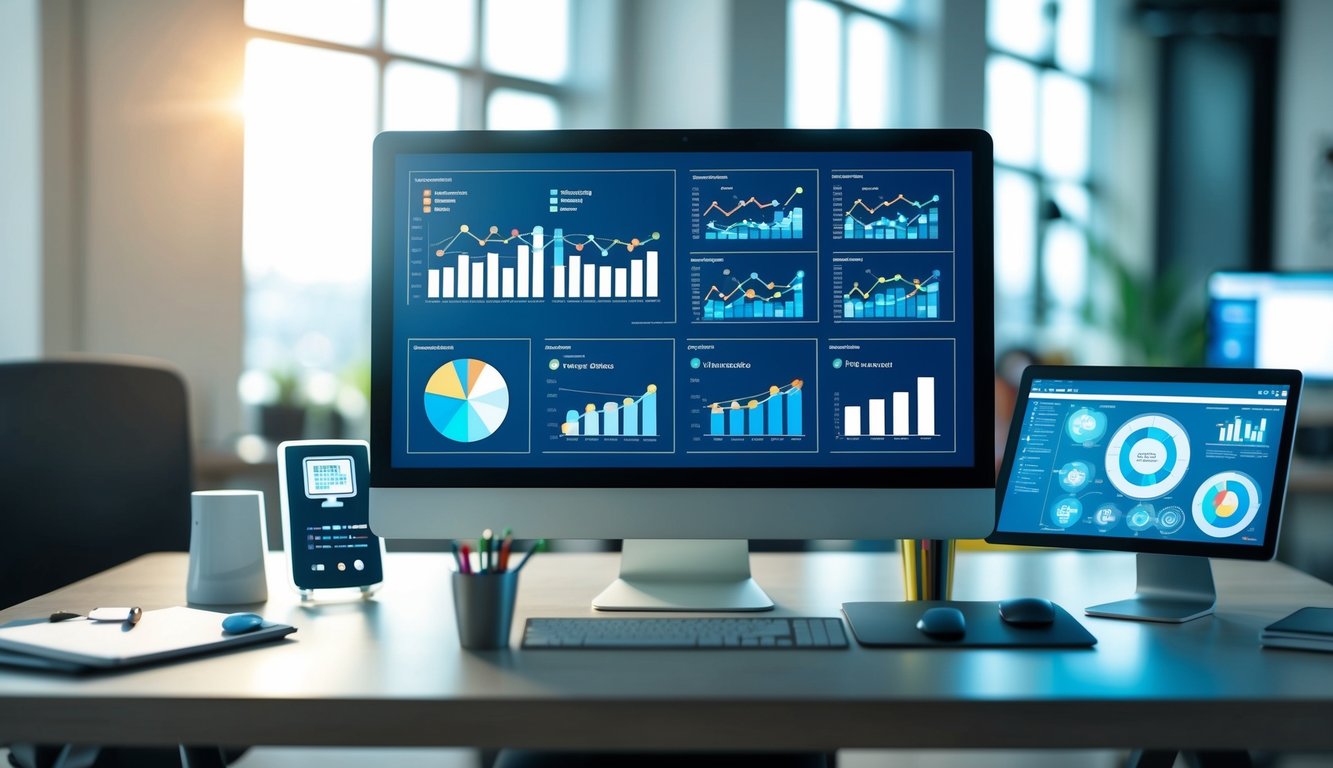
390	672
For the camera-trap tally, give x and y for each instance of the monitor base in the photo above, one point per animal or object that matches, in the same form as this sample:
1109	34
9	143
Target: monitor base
684	575
1172	589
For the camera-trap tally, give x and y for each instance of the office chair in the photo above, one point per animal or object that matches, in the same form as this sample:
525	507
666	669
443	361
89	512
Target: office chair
95	469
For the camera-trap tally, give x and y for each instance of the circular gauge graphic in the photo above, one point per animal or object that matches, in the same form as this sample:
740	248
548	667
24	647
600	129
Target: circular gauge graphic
1140	517
466	400
1106	516
1226	504
1066	512
1074	476
1147	456
1085	425
1170	519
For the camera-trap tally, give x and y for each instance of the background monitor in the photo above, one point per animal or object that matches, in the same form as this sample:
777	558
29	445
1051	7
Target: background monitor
683	335
1266	319
1167	462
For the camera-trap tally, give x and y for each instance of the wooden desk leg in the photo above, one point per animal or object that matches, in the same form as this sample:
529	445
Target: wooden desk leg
202	757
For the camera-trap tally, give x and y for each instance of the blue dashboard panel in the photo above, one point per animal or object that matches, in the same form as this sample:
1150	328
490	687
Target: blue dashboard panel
1141	464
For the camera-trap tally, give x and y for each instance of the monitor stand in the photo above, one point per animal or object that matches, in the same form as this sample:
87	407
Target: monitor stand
1171	588
684	575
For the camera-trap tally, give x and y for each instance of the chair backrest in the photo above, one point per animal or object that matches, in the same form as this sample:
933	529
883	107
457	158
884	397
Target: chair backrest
95	469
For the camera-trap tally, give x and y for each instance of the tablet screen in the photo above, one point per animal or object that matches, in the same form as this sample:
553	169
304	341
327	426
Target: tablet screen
1147	465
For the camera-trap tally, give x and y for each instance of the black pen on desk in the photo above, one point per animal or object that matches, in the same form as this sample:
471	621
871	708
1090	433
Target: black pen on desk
540	544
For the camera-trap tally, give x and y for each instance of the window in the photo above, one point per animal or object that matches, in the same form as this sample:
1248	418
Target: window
845	63
322	78
1039	102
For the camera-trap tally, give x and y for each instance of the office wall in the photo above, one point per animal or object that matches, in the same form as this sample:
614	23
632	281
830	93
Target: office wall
154	158
20	169
1304	237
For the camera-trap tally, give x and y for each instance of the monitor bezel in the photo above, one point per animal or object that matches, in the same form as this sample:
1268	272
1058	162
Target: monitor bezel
979	474
1265	551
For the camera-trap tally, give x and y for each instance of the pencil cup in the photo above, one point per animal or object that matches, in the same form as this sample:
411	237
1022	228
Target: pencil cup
484	608
227	543
928	568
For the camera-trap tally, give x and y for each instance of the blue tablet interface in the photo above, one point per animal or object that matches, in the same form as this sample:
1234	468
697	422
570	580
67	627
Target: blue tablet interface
1168	461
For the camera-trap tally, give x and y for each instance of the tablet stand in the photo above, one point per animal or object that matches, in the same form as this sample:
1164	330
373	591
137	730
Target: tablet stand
1171	588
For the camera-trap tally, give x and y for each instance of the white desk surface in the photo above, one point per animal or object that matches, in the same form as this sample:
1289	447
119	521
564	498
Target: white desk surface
390	671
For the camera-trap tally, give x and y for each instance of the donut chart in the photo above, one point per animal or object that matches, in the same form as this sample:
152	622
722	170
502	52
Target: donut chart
1226	504
1147	456
466	400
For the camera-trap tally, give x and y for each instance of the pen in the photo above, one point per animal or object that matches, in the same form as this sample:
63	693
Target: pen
458	559
465	562
505	549
484	547
541	543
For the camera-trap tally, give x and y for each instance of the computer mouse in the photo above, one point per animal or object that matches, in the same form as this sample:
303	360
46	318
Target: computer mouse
1027	611
240	623
942	623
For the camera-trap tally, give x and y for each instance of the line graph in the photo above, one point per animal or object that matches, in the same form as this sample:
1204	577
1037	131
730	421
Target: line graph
622	415
578	242
774	412
765	205
894	297
754	297
922	224
752	201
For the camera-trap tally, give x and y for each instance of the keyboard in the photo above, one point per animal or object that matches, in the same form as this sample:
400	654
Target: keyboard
696	632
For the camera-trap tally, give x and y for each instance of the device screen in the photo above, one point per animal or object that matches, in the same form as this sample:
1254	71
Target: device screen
329	517
1182	461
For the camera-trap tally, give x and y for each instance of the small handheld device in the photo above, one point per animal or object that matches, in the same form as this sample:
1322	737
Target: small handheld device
326	517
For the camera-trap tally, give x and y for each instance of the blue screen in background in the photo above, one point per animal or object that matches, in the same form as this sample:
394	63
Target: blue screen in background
675	310
1167	461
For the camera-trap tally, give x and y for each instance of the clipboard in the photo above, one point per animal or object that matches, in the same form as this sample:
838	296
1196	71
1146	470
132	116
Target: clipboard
79	645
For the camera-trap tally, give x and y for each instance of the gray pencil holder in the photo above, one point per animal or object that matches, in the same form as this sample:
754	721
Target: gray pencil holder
484	608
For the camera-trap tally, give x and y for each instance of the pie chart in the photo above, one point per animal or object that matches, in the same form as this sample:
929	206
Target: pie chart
1147	457
1225	504
466	400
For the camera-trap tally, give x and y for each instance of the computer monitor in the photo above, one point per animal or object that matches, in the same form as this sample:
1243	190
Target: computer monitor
686	338
1177	464
1265	319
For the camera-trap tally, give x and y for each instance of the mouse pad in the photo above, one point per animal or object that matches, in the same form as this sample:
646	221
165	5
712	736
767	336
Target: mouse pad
893	625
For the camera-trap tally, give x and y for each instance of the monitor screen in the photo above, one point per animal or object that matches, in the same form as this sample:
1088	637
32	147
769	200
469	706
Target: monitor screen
728	310
1182	461
328	476
1263	320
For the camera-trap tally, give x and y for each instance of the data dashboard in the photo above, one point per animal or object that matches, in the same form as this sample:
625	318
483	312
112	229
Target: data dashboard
679	309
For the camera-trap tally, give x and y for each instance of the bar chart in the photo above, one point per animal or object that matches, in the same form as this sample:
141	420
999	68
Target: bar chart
574	267
607	395
573	237
891	395
893	207
894	297
874	420
893	287
751	205
754	297
751	395
628	416
774	413
1243	431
